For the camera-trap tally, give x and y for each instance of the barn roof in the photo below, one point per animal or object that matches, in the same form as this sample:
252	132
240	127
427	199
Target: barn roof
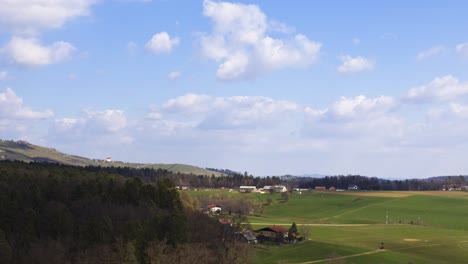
276	229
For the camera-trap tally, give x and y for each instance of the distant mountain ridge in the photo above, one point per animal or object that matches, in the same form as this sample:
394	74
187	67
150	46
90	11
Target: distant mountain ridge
25	151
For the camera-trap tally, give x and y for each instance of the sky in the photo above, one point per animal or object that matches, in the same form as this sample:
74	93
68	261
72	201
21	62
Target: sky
268	87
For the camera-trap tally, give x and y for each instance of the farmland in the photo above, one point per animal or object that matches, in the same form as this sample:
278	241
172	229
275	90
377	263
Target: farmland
349	227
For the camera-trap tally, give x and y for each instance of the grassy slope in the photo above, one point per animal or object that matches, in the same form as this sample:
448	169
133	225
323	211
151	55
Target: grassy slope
440	237
29	152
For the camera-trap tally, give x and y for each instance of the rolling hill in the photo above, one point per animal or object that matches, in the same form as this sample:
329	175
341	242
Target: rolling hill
25	151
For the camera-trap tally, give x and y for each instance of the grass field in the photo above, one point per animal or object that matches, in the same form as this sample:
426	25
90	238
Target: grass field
348	227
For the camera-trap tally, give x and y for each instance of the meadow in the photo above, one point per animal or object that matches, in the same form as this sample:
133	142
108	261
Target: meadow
349	227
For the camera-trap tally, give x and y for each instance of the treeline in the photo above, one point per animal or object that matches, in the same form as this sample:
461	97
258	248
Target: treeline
52	213
373	183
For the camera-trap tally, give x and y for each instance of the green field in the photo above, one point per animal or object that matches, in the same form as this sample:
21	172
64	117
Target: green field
349	227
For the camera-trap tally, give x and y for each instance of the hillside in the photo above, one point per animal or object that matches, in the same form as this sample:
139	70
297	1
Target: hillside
25	151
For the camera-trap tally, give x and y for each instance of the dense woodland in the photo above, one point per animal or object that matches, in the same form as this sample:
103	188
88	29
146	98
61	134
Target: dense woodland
52	213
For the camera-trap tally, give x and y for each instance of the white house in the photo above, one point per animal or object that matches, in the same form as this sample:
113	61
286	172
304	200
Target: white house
275	188
353	187
215	209
247	189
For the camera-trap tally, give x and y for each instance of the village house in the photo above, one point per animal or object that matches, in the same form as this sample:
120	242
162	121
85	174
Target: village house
272	234
247	189
214	209
320	188
353	187
275	188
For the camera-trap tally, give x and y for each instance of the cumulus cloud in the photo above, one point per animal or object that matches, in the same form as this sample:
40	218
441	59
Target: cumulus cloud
370	119
229	112
161	43
240	44
110	120
188	104
462	50
11	107
30	52
434	51
356	64
440	89
23	16
105	121
3	75
358	107
174	75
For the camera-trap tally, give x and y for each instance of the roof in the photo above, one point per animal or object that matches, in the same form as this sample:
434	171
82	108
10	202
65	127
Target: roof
276	229
225	221
212	205
249	236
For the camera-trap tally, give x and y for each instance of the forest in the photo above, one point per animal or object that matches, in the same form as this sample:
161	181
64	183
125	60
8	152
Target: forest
51	213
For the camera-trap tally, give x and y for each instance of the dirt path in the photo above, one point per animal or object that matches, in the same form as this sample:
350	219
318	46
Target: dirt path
288	224
383	250
344	257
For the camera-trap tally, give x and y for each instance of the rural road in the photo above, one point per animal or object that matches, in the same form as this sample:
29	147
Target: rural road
288	224
349	256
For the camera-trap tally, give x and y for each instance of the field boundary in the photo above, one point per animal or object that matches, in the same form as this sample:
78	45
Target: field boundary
344	257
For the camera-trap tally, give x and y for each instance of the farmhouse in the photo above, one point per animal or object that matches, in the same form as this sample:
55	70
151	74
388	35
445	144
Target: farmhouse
353	187
272	234
214	209
275	188
320	188
247	189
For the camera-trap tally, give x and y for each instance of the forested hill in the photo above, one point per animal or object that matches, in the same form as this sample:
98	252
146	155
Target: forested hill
52	213
25	151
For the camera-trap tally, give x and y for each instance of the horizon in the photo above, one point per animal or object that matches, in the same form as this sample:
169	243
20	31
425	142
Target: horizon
265	87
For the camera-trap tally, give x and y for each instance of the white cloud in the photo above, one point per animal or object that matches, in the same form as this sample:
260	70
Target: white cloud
30	52
161	43
174	75
460	110
11	107
357	108
229	112
440	89
355	121
188	104
240	44
462	50
436	50
31	16
108	120
356	64
3	75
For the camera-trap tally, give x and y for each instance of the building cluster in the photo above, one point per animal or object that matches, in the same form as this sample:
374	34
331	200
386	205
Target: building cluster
265	189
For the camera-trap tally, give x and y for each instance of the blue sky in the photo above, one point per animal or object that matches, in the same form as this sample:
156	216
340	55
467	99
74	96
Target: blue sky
268	87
